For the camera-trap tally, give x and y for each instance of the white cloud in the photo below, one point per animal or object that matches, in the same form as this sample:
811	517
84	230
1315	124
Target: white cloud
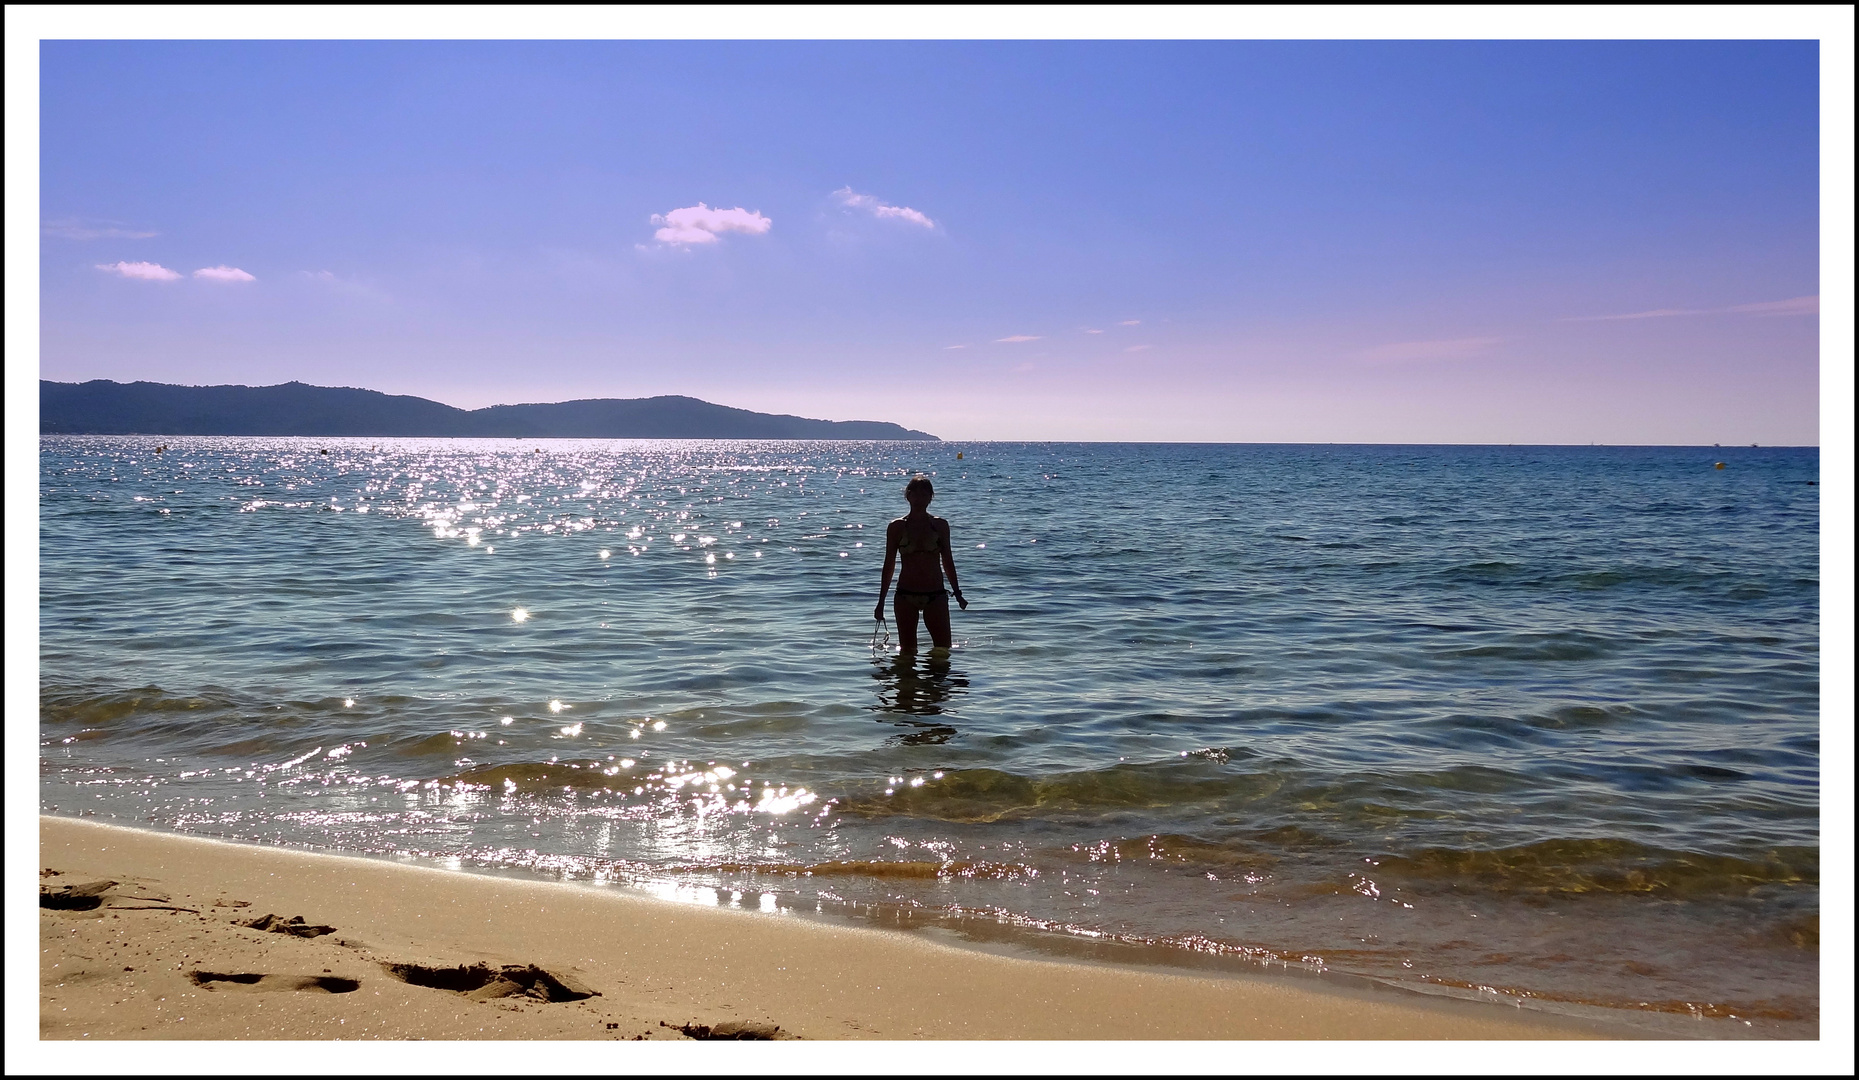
1799	305
344	286
223	273
81	229
946	348
1656	313
1455	349
1090	331
142	271
1138	348
1018	337
1131	322
702	224
877	208
915	217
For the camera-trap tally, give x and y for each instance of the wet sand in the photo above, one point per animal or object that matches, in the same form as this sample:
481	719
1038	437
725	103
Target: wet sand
158	936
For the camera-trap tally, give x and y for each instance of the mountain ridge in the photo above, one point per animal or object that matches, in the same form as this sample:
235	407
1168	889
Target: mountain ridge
107	407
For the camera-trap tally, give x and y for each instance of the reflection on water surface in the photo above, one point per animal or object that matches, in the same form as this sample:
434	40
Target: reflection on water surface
1539	720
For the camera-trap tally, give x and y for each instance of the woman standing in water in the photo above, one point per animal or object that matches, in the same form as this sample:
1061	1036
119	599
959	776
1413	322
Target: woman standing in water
923	541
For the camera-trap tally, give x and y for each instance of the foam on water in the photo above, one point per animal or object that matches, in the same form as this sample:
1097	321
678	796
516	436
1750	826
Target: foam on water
1532	724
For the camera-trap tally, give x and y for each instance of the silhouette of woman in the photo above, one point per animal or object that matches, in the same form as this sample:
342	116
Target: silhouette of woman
923	543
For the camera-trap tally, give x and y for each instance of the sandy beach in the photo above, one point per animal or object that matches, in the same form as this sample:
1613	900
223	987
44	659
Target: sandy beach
151	936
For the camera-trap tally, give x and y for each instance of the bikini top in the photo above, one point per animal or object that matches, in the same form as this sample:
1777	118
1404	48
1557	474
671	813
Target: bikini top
927	543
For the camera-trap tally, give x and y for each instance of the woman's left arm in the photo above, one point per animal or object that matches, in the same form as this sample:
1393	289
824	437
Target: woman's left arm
948	565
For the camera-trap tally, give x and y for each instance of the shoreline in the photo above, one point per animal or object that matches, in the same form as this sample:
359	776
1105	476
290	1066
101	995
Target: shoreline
165	942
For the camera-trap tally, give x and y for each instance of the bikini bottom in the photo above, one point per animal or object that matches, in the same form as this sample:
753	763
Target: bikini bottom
920	600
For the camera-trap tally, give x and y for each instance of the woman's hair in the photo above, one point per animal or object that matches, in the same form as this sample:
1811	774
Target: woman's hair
920	485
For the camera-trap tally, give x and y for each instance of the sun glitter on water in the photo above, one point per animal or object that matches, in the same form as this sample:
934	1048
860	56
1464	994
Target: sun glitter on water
1184	776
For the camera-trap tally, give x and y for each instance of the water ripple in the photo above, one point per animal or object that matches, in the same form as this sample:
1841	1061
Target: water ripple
1260	703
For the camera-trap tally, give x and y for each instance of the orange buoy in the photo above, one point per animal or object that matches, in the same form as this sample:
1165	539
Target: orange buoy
1720	465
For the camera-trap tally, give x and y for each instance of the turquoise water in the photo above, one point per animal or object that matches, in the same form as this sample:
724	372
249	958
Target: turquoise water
1530	724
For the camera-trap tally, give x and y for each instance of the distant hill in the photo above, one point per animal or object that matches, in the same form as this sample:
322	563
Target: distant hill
103	407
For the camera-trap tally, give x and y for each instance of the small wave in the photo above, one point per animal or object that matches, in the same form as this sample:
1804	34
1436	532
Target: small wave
1786	1010
1565	645
91	708
1191	851
1482	571
1569	866
1639	575
212	720
980	795
555	776
1584	717
912	869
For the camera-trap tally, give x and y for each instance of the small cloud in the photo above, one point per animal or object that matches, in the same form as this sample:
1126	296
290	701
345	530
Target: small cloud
1800	305
1138	348
335	283
871	203
223	273
702	224
81	229
1455	349
141	271
948	347
1657	313
1131	322
1018	338
1088	330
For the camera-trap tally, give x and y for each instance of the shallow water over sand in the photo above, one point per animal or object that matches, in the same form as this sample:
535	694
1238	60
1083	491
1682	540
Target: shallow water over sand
1511	722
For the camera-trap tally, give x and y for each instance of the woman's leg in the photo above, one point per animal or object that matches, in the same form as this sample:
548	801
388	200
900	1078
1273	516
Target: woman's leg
906	615
936	617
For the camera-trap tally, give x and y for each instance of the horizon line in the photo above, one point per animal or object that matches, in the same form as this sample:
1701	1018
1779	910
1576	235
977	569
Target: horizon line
705	401
955	442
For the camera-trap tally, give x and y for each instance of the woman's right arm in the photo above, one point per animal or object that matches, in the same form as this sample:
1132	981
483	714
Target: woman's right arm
890	563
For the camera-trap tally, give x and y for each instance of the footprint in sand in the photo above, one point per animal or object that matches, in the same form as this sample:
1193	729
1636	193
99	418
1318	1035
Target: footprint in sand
481	982
259	981
731	1029
85	897
294	926
113	895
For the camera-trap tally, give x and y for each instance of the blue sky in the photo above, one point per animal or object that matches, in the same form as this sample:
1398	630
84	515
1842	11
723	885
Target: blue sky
1272	241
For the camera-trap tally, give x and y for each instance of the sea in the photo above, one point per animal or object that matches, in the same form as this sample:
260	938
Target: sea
1537	726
